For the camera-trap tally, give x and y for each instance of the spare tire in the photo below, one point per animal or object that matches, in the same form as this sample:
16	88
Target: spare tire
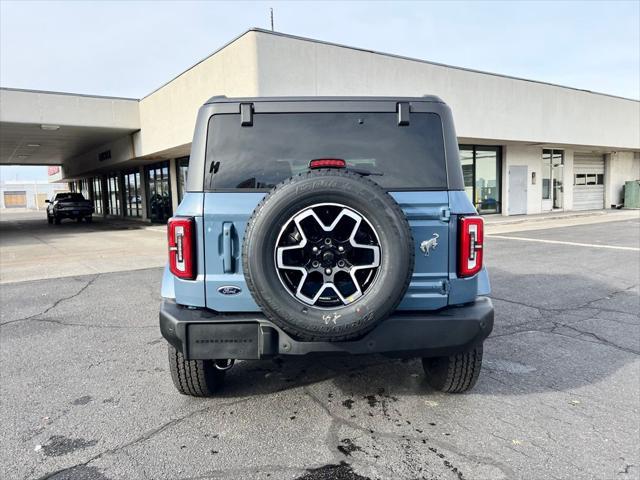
327	255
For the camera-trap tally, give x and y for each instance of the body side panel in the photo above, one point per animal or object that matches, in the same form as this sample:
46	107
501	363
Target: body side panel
425	212
189	292
233	209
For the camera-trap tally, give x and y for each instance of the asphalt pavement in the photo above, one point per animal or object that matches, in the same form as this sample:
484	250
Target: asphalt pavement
86	393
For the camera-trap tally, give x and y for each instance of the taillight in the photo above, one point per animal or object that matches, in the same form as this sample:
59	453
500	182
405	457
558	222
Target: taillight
327	163
182	261
470	245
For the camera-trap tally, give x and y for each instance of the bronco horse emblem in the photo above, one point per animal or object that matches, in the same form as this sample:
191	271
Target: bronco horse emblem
427	245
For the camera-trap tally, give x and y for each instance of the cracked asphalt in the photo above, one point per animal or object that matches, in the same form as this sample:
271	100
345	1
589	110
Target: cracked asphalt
86	392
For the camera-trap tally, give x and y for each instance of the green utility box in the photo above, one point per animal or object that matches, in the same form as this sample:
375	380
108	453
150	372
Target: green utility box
632	194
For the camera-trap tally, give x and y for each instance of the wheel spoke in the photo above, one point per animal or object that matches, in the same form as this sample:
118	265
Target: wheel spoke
334	238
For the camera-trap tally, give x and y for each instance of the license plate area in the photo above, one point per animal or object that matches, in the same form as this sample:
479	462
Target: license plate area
209	341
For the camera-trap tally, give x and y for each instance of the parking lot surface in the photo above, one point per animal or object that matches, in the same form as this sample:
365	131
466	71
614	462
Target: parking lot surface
32	249
86	391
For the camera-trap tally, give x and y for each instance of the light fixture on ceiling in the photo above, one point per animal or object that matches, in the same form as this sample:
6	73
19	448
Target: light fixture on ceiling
49	127
33	145
23	156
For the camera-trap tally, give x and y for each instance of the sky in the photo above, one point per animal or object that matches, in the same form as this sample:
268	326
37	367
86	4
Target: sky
130	48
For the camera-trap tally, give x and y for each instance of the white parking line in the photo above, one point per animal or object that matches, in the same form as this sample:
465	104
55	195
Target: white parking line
560	242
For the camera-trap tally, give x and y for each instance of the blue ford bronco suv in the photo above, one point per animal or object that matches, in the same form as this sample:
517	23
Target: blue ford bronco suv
325	225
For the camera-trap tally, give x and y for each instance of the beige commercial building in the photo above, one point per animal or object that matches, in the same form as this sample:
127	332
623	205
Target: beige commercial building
526	146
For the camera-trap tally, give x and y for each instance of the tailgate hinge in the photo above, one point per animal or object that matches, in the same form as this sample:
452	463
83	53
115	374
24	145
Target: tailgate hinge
445	214
246	114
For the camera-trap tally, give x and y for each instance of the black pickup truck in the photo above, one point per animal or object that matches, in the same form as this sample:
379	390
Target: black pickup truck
69	205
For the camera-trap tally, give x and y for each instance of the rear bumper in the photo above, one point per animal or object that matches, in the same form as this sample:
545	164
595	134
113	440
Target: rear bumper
73	213
202	334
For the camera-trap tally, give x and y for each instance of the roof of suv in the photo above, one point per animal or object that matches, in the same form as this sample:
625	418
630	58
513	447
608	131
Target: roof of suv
225	99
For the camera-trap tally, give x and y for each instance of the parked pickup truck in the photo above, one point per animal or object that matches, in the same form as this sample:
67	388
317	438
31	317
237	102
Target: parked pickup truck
321	225
69	205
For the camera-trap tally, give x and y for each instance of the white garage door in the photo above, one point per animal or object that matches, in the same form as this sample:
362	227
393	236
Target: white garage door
588	181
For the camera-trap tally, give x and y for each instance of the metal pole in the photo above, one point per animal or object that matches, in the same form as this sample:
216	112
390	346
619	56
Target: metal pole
35	187
271	19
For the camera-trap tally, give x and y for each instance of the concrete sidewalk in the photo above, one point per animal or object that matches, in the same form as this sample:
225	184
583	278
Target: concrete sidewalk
496	224
31	249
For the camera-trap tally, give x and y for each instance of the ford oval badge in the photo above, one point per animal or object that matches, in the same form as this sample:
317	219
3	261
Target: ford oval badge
229	290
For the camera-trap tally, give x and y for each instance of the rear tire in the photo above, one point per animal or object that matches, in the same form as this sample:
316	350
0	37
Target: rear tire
198	378
56	220
89	219
456	373
49	220
79	219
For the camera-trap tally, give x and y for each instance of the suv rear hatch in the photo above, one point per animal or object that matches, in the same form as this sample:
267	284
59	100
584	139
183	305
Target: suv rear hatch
248	155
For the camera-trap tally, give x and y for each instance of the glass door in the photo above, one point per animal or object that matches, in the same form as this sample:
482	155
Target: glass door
113	194
158	192
553	179
97	195
132	198
481	167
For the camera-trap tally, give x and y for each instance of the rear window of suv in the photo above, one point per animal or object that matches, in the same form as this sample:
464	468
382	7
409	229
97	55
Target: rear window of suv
277	146
72	197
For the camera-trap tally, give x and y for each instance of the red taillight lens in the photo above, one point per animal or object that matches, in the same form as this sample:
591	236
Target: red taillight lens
327	163
470	245
181	232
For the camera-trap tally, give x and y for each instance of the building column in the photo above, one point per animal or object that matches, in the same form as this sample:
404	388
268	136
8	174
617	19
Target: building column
173	182
608	180
122	193
90	191
567	185
504	180
105	195
143	194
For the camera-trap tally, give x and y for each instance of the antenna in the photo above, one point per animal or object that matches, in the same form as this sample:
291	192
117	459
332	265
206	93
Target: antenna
271	9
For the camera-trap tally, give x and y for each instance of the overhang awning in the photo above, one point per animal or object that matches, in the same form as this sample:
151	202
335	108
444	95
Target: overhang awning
48	128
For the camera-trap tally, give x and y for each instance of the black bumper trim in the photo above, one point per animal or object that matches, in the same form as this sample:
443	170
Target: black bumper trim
403	334
69	213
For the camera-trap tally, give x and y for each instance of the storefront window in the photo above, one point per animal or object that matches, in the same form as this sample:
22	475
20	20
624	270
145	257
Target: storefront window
159	193
182	165
481	168
97	195
132	194
113	190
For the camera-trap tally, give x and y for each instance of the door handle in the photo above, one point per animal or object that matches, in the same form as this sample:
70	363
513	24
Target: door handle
227	247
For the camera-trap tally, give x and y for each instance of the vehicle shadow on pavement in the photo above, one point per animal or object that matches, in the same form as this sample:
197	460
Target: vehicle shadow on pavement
32	231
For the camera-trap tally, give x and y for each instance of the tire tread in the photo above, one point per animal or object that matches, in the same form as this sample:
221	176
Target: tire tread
455	373
198	378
